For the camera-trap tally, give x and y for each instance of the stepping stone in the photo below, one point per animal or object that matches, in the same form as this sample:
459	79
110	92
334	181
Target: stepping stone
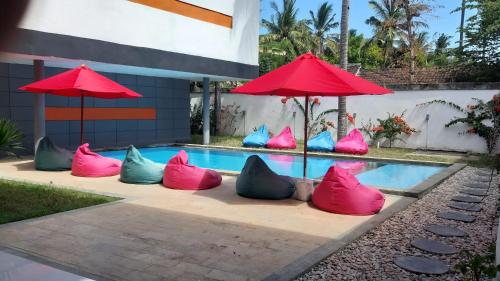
445	230
476	185
465	206
434	246
468	199
456	216
421	265
482	179
485	174
475	192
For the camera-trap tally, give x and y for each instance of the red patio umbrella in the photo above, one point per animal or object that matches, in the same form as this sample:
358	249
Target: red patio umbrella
80	82
309	76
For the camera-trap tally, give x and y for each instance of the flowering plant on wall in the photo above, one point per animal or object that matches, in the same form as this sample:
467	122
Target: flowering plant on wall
482	119
318	122
390	128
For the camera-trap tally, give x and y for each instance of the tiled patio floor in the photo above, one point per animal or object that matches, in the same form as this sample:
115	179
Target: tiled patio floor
164	234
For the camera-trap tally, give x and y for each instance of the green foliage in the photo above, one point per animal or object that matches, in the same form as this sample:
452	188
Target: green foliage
317	122
482	32
476	267
10	138
390	128
482	118
322	22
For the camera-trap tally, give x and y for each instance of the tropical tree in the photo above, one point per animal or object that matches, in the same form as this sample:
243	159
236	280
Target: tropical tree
442	44
387	24
10	138
284	26
322	22
413	12
344	35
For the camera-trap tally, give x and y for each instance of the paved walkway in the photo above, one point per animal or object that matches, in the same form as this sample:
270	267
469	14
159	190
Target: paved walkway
162	234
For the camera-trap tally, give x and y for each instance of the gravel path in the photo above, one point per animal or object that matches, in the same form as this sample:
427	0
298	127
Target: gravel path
371	256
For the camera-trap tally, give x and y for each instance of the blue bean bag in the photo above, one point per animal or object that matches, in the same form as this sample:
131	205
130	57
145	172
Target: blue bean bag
258	181
258	138
49	157
139	170
321	142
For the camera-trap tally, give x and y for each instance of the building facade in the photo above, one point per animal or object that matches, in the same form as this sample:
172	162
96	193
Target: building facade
153	47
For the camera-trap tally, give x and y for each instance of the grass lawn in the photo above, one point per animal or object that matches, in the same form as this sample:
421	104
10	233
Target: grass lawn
21	200
479	160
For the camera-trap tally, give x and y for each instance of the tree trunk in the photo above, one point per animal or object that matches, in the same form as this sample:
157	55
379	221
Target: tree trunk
462	22
217	108
344	36
412	51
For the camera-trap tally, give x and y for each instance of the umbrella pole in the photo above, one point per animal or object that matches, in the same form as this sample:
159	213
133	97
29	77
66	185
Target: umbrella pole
81	118
306	124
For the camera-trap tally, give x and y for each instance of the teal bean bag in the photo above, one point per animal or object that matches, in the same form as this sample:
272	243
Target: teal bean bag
321	142
49	157
258	138
137	169
258	181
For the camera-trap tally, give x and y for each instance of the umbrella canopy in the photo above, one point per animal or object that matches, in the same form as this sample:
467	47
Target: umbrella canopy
309	76
80	82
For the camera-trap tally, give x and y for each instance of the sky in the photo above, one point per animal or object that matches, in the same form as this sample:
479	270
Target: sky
440	21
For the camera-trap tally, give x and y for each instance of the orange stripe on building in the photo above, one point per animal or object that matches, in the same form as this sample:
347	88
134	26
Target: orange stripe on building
189	10
99	113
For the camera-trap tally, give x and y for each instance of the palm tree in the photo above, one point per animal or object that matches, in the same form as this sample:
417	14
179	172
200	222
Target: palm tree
387	23
284	25
442	44
322	22
413	9
344	35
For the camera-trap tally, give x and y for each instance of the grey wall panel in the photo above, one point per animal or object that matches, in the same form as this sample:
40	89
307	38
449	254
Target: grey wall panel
57	127
126	125
146	125
126	102
21	99
146	102
104	103
15	83
105	126
56	101
5	112
4	84
105	138
163	125
146	91
21	71
4	98
74	140
164	82
88	126
22	113
146	81
126	79
126	137
76	102
62	140
146	137
4	69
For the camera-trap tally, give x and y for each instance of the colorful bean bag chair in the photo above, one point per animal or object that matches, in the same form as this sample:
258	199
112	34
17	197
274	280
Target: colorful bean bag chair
284	140
321	142
258	138
353	143
90	164
49	157
259	182
341	193
137	169
180	175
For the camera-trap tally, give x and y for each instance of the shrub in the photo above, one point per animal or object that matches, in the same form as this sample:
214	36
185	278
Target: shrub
10	138
390	128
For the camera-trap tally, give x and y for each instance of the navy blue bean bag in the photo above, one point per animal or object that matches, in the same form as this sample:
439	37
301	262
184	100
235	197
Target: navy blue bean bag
258	181
258	138
321	142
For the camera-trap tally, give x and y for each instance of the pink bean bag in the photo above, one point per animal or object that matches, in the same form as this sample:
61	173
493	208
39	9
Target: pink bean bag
284	140
90	164
180	175
353	143
341	193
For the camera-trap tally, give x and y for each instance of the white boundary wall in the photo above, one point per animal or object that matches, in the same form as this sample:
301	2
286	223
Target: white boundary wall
270	111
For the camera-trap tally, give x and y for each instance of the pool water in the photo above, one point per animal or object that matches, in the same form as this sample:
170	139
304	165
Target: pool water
374	173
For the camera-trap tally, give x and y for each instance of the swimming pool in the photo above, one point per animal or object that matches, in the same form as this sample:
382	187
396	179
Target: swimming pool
374	173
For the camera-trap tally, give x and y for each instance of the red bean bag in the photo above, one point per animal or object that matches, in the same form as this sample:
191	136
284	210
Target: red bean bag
90	164
353	143
284	140
180	175
341	193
